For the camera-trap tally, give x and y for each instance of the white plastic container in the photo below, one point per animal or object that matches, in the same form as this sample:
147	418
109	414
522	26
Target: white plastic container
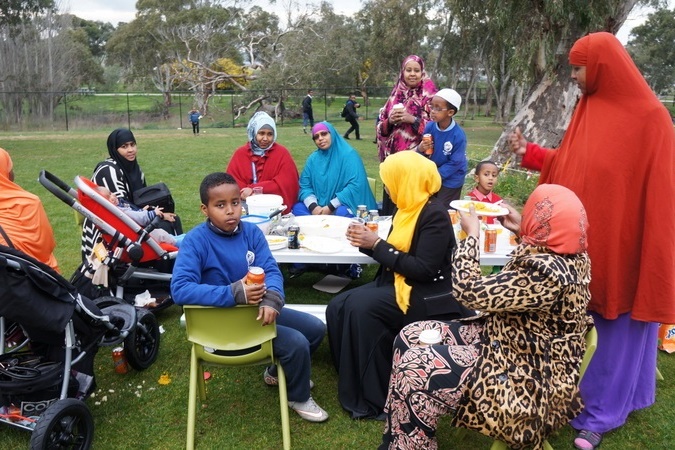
263	222
263	204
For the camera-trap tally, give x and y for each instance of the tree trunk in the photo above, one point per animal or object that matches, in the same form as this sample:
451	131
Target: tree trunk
544	116
546	113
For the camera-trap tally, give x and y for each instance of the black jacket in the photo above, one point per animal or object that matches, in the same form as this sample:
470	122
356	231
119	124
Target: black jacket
426	266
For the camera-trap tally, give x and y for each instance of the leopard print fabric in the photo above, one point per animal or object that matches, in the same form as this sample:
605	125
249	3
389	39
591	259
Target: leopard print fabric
524	384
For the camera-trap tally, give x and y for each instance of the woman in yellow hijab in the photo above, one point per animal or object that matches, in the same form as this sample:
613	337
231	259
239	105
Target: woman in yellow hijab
413	283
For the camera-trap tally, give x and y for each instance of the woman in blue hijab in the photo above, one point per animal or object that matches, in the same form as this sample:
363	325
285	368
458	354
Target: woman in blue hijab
334	179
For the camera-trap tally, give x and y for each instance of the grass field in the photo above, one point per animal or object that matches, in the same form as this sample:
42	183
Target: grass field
133	411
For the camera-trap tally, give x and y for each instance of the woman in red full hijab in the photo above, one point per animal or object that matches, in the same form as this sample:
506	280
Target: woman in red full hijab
618	156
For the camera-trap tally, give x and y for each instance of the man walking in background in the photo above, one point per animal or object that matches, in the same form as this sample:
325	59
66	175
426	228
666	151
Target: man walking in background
307	113
352	117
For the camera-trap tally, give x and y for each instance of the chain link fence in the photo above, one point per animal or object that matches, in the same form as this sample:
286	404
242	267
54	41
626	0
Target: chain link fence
86	109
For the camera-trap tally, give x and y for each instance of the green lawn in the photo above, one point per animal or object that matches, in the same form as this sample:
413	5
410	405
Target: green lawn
134	411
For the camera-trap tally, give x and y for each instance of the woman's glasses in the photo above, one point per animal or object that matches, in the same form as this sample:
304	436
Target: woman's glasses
320	134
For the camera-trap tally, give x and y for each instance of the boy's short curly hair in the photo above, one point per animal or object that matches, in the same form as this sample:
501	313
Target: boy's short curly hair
213	180
482	164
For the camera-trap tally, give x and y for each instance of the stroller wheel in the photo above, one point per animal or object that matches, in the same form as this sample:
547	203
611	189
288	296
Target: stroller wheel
66	424
142	344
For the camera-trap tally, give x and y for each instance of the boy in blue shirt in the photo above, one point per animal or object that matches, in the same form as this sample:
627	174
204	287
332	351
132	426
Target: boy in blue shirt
449	144
211	270
194	117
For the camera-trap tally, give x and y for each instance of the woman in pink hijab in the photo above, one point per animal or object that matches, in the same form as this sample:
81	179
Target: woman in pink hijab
401	129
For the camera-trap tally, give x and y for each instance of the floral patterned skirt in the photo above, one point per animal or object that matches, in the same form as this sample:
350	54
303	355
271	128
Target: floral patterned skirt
427	381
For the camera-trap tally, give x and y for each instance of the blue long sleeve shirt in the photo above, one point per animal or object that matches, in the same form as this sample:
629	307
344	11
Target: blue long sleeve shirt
209	262
449	153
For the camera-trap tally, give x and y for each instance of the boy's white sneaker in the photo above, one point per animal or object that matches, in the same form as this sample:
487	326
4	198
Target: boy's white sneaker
309	410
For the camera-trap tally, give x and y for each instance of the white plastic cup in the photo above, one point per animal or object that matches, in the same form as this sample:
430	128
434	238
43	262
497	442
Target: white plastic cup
430	337
257	190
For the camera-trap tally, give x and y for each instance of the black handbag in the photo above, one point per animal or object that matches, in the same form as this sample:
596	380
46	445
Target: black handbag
155	195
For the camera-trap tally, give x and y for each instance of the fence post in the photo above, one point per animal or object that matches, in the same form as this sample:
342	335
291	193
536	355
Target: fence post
65	105
232	106
325	104
128	112
180	109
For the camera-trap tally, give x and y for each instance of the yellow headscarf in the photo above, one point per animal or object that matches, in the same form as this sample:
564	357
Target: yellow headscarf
411	179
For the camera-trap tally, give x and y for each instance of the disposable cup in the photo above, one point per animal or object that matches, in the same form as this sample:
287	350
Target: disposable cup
430	337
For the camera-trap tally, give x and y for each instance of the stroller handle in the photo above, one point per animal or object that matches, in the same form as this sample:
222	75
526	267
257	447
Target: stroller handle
58	187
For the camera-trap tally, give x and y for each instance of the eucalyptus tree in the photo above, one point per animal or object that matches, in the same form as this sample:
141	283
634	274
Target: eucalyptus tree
318	48
395	29
532	42
41	59
97	34
652	46
181	44
13	12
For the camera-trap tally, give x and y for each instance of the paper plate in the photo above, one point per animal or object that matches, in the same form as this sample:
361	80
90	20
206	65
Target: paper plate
323	226
482	208
321	244
277	242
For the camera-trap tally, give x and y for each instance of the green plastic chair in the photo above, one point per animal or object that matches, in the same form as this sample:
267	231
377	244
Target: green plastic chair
240	341
591	345
372	182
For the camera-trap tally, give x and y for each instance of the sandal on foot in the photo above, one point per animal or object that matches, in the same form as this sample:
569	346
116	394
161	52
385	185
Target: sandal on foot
587	440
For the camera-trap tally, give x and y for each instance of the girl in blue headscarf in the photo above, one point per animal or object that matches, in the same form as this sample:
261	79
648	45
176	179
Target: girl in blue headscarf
334	179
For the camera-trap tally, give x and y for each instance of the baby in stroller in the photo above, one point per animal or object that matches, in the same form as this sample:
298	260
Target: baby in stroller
127	260
144	217
42	385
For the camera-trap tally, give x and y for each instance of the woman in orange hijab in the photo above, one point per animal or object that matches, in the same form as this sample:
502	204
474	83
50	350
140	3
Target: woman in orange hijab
618	156
23	218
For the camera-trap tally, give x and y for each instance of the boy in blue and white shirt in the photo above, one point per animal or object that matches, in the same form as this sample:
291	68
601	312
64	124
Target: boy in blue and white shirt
449	144
211	270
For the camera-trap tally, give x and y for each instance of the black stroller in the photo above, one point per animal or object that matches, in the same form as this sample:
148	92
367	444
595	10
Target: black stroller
45	379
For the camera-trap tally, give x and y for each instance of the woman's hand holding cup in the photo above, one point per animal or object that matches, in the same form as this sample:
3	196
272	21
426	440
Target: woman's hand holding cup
359	235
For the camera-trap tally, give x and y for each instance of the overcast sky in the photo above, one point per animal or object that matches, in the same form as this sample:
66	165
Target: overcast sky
124	11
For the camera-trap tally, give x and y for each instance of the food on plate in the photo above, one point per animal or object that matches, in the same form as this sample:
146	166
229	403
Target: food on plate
481	207
275	239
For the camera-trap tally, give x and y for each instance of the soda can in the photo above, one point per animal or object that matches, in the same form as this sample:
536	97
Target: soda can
362	212
120	360
427	138
490	244
513	239
293	235
256	275
372	226
454	216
